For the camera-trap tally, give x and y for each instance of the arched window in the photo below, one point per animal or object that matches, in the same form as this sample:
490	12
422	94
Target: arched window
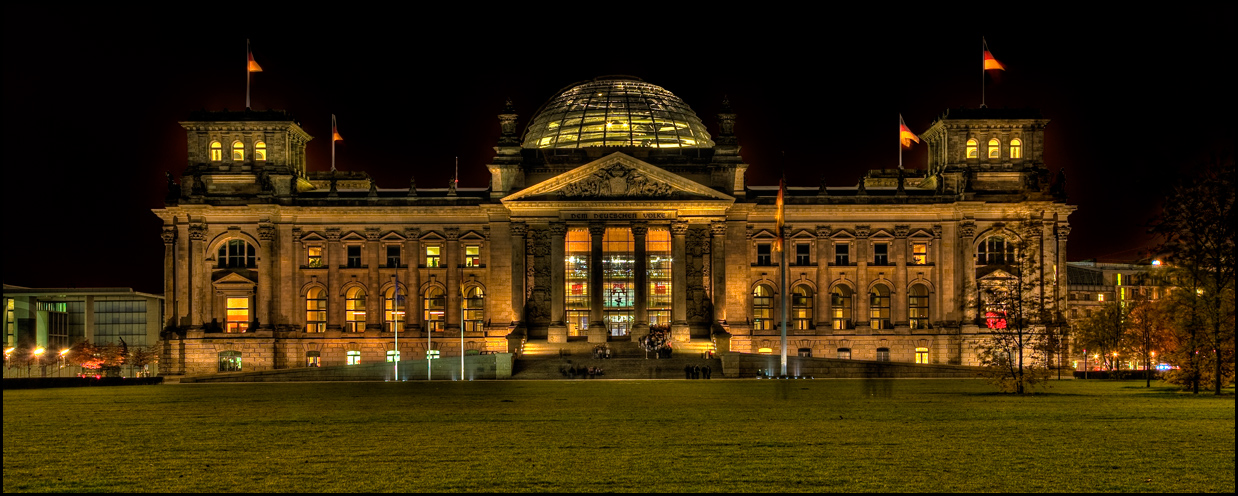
1016	148
840	304
217	151
236	254
436	306
354	310
994	250
995	148
918	307
316	310
879	307
973	148
313	359
801	307
238	151
474	306
762	307
393	310
883	354
229	361
237	314
260	150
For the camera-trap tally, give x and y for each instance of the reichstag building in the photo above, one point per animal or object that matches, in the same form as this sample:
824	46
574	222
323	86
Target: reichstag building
611	213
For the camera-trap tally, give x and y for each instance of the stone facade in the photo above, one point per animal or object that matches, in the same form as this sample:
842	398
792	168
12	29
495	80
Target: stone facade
266	260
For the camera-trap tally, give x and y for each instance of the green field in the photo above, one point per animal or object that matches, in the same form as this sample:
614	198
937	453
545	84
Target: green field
595	436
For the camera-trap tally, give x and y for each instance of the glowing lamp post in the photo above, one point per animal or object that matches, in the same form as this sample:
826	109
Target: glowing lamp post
38	356
62	354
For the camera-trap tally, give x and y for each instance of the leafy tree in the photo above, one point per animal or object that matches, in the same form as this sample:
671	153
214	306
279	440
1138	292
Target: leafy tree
1149	323
142	356
1105	333
85	355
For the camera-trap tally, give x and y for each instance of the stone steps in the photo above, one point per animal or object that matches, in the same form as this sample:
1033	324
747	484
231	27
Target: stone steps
549	367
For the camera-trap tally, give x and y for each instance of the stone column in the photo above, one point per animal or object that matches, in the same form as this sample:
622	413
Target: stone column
557	332
169	277
374	304
453	278
967	234
519	254
859	305
335	300
412	279
898	294
679	281
266	277
1060	292
937	313
183	262
717	268
824	249
199	283
640	310
597	324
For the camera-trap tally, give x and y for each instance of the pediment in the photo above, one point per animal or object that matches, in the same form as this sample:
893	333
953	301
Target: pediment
233	278
617	177
993	273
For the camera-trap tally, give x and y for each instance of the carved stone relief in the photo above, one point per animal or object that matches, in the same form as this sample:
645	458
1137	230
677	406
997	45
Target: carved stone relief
616	180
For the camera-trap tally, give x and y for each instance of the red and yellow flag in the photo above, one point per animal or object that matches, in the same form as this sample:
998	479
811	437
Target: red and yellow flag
905	136
253	66
780	217
335	134
990	63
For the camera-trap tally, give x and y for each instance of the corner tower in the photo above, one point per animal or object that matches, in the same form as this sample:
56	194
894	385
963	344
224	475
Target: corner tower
234	154
988	150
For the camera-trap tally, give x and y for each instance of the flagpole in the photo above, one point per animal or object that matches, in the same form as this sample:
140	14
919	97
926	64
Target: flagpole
395	307
332	142
983	48
782	277
247	72
900	141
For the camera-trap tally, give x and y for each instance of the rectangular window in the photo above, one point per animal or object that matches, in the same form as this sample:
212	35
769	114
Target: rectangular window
238	314
354	357
844	353
354	257
763	254
314	256
922	355
801	254
393	356
883	354
881	254
842	254
432	256
919	253
393	256
472	256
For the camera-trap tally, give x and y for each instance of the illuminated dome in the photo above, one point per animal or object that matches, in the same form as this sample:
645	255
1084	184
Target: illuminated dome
616	111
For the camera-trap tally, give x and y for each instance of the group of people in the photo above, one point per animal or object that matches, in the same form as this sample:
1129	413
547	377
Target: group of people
601	351
657	341
696	372
582	371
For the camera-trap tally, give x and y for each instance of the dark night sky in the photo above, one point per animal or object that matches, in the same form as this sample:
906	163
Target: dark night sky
91	107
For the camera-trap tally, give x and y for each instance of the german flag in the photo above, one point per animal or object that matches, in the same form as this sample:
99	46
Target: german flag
905	136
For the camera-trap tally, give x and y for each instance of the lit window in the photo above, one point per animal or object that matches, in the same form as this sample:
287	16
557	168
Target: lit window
354	256
840	304
918	307
314	256
436	306
354	357
472	256
238	314
316	310
844	353
217	151
995	148
260	150
313	359
354	310
474	307
393	310
393	356
801	307
883	354
236	254
881	254
432	256
238	151
229	361
994	250
763	254
393	256
1100	296
1016	148
919	253
842	254
879	307
973	148
762	307
802	254
922	355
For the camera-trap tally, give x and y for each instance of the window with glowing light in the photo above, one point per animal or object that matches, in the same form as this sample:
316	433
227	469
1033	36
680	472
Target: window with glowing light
354	310
618	280
236	254
919	253
238	151
995	148
229	361
576	279
1016	148
762	308
801	307
237	314
393	310
922	355
435	309
260	151
658	253
432	256
973	148
918	306
354	358
840	306
316	310
217	151
393	356
472	256
313	255
474	309
313	359
879	307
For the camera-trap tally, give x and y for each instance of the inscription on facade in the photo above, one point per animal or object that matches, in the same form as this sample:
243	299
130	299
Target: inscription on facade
643	215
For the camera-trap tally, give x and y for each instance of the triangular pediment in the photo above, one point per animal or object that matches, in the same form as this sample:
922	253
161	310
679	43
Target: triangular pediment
233	278
617	177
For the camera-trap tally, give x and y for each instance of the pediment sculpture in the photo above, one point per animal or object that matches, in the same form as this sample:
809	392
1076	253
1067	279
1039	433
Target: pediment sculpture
617	180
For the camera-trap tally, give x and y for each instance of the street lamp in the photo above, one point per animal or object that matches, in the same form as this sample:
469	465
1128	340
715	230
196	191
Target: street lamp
62	354
38	356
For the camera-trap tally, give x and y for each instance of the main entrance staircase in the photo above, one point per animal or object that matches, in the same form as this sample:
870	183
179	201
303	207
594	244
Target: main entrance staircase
542	360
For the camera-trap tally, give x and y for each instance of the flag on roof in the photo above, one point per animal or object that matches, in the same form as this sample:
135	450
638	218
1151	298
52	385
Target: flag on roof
780	217
905	136
252	66
335	135
990	63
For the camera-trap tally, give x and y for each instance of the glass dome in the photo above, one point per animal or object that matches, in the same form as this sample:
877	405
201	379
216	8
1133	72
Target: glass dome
616	111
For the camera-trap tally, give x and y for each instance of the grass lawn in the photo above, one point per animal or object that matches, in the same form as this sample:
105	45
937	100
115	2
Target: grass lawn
594	436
